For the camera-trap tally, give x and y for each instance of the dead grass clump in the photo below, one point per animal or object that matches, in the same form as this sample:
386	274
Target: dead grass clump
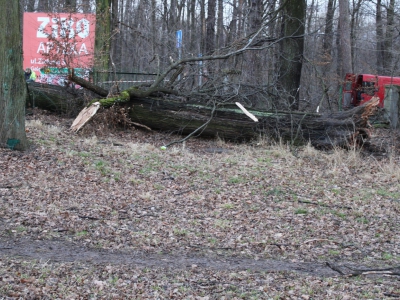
34	124
390	168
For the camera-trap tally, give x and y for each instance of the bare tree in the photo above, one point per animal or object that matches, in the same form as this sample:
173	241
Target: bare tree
328	34
13	87
379	38
292	47
103	35
389	37
354	21
210	35
344	40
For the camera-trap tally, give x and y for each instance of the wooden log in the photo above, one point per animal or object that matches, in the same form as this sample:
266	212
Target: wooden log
60	99
228	121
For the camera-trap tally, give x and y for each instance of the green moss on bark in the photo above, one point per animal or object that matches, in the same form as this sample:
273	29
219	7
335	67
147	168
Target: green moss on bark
107	102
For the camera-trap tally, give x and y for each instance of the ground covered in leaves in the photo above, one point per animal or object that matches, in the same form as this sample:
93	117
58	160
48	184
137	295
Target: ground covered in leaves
110	215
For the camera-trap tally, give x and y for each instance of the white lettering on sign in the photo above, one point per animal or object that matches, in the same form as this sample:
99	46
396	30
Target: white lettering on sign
82	28
40	32
83	49
42	48
64	48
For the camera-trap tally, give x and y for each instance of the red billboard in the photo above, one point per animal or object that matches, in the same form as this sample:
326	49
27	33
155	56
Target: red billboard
57	41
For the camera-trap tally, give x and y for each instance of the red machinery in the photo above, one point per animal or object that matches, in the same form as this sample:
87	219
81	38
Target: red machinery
360	88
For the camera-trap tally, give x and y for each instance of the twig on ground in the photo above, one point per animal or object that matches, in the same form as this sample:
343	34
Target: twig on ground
394	271
318	240
322	204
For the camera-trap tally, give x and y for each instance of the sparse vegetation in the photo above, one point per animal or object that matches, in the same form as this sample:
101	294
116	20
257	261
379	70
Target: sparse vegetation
252	203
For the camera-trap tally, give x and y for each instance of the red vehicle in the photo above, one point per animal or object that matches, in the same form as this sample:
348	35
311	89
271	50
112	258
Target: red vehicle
360	88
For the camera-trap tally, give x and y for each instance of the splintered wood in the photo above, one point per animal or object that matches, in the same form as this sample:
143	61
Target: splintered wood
84	116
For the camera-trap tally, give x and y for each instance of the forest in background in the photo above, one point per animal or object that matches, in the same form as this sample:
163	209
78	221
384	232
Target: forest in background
338	37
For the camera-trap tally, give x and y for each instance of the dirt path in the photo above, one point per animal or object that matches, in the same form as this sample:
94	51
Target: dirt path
63	251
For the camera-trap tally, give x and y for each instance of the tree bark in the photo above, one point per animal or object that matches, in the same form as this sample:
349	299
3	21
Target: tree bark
102	43
63	100
210	35
345	61
227	121
328	36
340	129
292	47
380	49
388	67
13	86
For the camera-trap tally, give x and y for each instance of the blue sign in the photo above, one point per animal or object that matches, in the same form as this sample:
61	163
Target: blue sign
179	39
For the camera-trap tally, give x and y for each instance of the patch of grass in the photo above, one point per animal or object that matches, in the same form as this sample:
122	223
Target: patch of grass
222	223
340	214
334	252
135	181
228	206
117	176
387	256
212	241
113	280
180	232
20	229
84	154
81	233
362	220
301	211
146	170
266	160
101	166
274	192
386	193
231	161
158	186
235	180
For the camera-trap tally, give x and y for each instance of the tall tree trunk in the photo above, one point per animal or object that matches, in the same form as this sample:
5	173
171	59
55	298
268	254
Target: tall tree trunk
328	36
388	44
115	45
379	38
354	22
233	24
310	16
203	27
12	84
102	41
253	57
154	27
210	36
240	29
220	24
292	47
345	62
172	16
193	32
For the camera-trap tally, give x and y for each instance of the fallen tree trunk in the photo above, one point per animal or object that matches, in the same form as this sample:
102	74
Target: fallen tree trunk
63	100
230	123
